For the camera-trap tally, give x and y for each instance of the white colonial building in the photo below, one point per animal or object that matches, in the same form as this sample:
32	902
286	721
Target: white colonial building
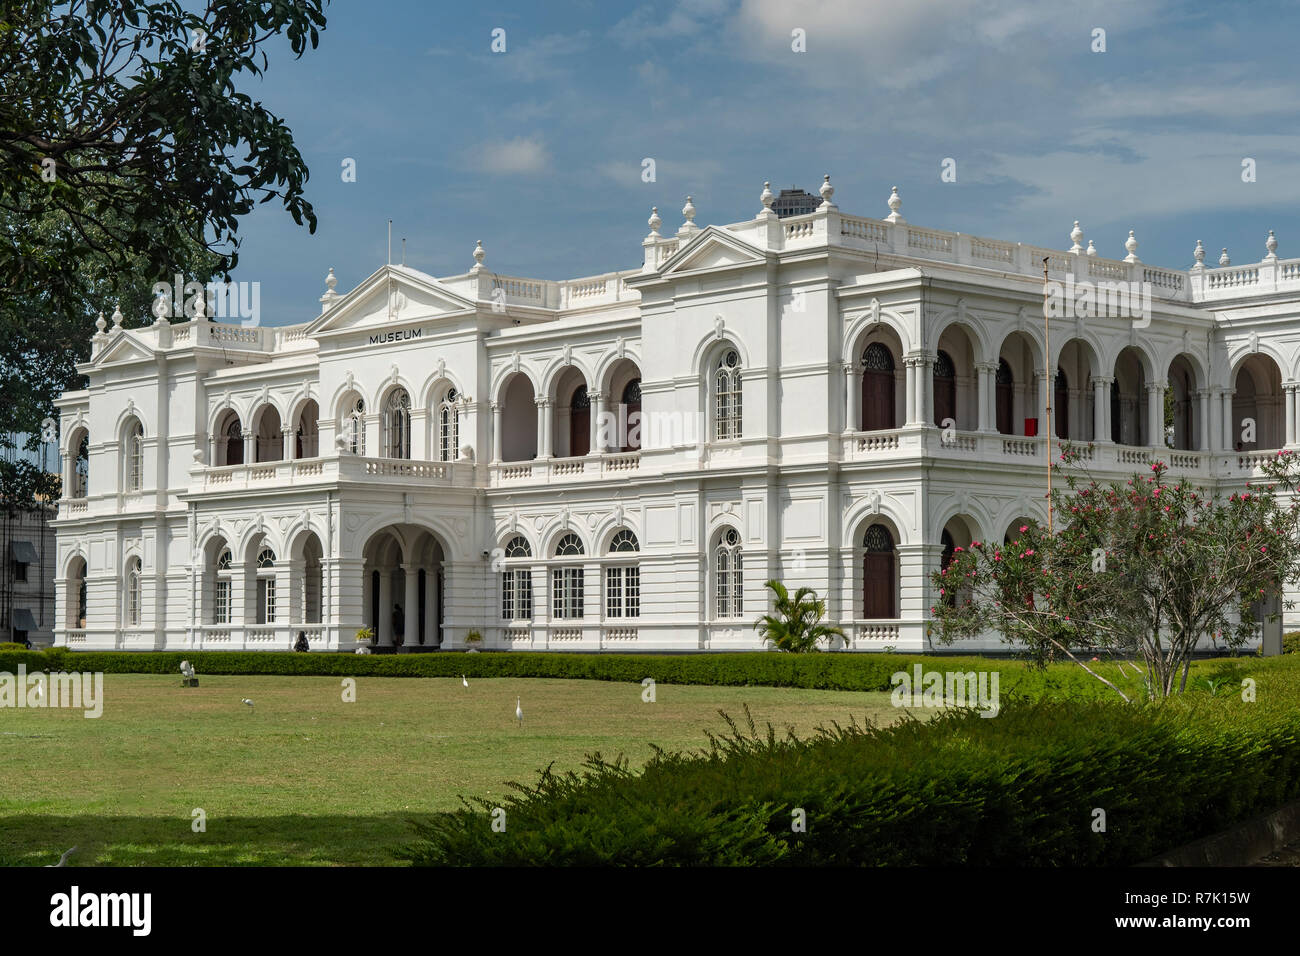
431	456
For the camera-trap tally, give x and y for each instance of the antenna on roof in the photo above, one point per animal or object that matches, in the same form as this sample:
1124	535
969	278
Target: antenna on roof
403	251
390	242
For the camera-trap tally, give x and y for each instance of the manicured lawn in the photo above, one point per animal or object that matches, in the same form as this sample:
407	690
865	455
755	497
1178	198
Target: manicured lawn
305	778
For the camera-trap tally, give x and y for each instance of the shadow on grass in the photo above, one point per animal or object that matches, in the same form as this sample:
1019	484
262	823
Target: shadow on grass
292	840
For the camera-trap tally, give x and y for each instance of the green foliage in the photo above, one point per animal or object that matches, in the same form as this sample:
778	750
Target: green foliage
851	672
1017	790
1291	642
796	626
12	646
1146	568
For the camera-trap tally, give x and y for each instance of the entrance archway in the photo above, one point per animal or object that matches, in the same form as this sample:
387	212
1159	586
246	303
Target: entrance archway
402	586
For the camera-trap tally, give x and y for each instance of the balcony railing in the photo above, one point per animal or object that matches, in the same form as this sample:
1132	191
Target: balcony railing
342	467
585	468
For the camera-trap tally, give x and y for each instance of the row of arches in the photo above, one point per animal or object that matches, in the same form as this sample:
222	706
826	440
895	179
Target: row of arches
266	439
1130	405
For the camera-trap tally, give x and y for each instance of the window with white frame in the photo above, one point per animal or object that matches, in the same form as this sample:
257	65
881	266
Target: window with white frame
81	467
134	452
448	426
354	425
221	598
567	582
728	572
134	592
397	424
726	397
623	579
517	581
266	586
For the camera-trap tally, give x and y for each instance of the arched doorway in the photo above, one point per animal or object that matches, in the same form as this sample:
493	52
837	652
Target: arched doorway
879	574
1006	384
945	389
878	388
402	586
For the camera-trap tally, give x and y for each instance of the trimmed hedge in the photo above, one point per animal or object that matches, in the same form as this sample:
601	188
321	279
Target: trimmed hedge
851	672
1017	790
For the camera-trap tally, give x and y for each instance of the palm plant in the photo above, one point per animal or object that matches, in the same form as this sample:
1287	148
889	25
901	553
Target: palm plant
796	622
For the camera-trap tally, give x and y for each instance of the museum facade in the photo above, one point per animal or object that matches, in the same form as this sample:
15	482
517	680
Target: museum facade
622	461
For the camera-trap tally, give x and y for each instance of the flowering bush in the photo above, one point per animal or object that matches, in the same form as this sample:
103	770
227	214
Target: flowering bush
1142	567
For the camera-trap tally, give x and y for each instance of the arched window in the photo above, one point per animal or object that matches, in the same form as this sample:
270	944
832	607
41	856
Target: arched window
266	586
448	427
632	415
879	574
727	404
307	436
234	438
1005	384
945	388
579	422
269	443
397	424
81	467
567	582
354	427
623	579
517	581
877	388
728	572
134	592
77	593
134	454
221	597
1061	403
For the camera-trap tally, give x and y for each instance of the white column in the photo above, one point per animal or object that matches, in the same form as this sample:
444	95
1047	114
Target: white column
287	443
852	398
1288	399
1230	432
496	431
431	606
250	446
411	605
1203	405
925	388
367	598
1155	415
543	428
983	387
1101	409
912	410
384	628
597	408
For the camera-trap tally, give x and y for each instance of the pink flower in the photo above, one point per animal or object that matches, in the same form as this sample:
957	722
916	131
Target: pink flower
1024	527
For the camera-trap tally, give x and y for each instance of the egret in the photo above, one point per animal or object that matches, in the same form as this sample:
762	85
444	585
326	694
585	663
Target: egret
463	681
519	712
63	859
245	700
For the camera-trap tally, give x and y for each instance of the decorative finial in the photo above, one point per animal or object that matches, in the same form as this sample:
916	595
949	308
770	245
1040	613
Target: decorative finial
827	190
1223	258
479	255
1092	249
100	324
895	204
654	221
160	309
1131	244
1076	236
115	322
766	197
1271	245
1199	253
331	280
200	306
688	226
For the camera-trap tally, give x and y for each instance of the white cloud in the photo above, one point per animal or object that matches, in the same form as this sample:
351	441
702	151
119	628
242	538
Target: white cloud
523	155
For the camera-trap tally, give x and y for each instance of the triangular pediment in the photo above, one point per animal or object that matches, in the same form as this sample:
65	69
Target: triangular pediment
391	296
123	347
712	248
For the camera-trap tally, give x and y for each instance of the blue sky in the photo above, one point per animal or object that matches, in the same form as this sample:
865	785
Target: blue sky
538	150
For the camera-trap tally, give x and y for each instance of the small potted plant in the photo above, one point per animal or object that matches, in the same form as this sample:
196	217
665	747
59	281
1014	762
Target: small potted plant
365	637
472	641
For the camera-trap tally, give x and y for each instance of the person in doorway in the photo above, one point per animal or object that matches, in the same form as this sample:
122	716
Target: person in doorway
399	625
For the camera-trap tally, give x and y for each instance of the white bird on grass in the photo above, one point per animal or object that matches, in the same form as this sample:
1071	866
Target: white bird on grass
245	700
519	712
63	859
463	681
